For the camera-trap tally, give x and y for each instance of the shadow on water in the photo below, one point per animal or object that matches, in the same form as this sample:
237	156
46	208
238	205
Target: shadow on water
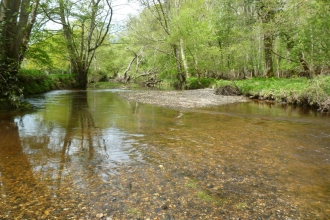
18	185
48	157
92	155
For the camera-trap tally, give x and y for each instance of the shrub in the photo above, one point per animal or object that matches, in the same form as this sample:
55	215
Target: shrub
35	81
192	83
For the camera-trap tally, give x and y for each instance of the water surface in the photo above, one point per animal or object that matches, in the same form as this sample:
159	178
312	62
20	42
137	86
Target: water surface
92	155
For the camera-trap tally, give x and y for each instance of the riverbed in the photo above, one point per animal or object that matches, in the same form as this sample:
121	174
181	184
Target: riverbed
95	155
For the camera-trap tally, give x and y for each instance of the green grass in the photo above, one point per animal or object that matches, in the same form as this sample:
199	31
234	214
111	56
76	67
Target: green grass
204	196
134	211
294	90
192	184
192	83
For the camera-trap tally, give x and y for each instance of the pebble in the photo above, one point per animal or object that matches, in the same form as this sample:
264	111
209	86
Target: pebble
99	215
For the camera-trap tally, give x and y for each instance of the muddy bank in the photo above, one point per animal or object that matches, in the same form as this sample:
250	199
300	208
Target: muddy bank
181	99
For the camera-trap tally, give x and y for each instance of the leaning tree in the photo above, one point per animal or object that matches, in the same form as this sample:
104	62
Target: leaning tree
17	18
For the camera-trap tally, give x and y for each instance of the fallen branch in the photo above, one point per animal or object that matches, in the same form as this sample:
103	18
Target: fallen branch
152	83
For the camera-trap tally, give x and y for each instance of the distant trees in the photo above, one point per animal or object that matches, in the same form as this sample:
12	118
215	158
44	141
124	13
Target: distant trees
233	38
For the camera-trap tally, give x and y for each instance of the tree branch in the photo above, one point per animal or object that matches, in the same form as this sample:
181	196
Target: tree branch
295	61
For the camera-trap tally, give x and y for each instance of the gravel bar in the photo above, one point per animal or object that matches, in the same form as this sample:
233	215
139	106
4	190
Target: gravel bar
181	99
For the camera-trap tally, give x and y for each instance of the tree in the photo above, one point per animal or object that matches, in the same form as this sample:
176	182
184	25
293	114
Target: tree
266	11
17	18
86	25
163	12
192	27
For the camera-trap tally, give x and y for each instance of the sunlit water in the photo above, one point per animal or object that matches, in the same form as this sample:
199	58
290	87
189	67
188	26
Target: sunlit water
93	155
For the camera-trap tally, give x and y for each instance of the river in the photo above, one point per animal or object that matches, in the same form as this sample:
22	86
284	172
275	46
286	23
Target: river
93	155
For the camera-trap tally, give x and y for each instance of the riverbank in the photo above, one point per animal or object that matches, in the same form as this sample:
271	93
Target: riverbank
36	82
300	91
305	92
181	99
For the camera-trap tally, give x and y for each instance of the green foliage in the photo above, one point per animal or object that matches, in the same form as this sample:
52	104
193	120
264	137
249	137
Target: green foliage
10	92
227	38
192	83
39	57
35	81
47	52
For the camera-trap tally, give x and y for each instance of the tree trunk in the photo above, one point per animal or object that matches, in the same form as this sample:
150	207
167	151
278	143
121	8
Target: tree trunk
268	45
266	12
82	81
82	48
184	60
180	75
17	18
304	64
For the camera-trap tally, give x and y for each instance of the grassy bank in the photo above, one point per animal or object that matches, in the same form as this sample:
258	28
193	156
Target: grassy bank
301	91
113	85
34	81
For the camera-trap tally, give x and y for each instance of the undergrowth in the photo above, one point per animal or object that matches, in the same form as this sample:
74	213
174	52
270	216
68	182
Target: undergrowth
193	83
35	81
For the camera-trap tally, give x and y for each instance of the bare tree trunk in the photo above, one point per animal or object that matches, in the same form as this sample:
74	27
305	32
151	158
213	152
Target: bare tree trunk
180	75
128	68
184	60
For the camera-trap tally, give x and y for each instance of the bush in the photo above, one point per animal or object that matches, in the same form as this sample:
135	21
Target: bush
35	81
192	83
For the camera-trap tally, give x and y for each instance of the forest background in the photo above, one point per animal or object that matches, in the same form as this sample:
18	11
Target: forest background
275	49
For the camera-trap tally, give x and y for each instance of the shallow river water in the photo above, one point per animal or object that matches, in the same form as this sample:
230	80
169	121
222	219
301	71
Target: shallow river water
93	155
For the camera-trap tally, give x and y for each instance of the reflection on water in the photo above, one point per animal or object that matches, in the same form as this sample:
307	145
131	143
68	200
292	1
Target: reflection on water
92	155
